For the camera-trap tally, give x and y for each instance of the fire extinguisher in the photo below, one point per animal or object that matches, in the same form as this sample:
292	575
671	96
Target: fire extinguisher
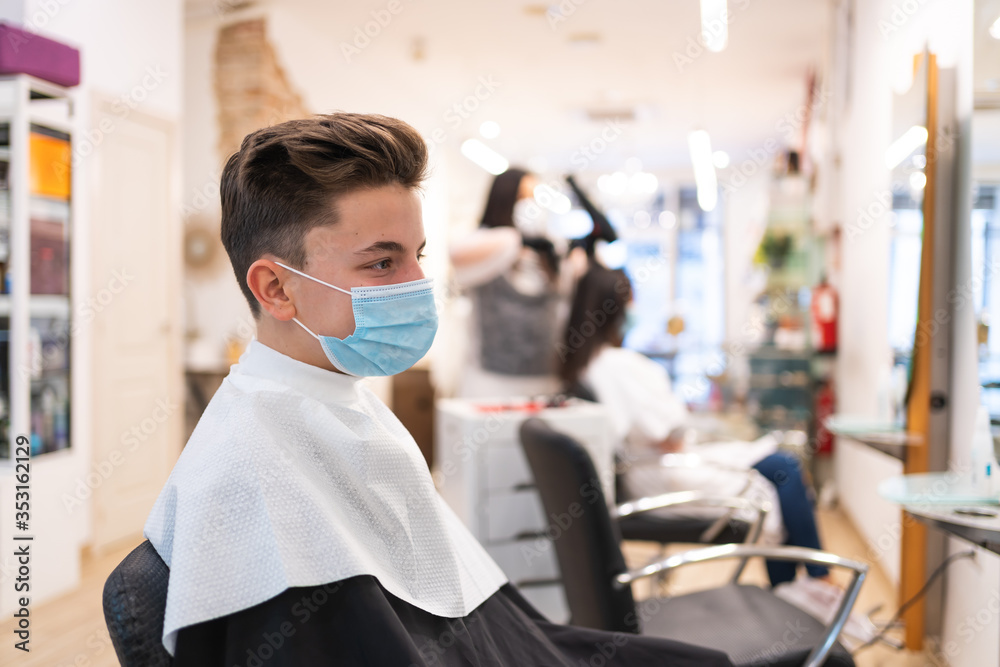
824	309
824	406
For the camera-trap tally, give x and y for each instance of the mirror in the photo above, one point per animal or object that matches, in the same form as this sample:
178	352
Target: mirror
906	158
985	219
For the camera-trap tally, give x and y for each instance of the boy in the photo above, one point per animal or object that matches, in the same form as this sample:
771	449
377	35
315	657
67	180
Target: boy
300	524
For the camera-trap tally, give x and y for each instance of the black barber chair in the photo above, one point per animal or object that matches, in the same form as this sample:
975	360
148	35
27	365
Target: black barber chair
135	599
752	625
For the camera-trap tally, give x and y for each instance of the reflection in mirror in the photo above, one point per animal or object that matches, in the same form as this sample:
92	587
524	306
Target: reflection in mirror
906	157
986	199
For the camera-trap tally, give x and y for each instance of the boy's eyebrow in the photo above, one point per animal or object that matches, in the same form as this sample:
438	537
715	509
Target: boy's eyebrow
386	246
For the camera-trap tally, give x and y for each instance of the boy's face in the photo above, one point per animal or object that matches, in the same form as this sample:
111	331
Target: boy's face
378	240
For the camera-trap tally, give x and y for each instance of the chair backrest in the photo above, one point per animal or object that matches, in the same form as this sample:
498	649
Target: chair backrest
587	542
135	599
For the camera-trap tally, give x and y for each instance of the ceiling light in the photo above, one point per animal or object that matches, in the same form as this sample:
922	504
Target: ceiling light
484	156
995	29
643	182
613	184
584	39
714	26
667	219
918	180
490	129
704	171
720	159
641	219
912	139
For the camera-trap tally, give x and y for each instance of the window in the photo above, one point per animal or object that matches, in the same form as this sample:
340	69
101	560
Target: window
676	269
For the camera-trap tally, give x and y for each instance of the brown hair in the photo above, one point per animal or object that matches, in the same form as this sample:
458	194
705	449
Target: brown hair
284	180
595	320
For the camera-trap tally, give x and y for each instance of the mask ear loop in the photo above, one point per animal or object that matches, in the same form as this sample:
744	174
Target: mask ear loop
308	330
306	275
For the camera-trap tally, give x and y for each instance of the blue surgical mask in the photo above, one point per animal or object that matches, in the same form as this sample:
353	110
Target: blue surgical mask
394	328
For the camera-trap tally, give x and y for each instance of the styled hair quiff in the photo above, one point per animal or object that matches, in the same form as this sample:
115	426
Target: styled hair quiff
285	179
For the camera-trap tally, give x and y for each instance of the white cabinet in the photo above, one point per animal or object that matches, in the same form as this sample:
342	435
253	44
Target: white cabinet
482	473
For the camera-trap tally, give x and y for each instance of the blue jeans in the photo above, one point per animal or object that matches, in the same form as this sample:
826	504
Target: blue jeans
784	472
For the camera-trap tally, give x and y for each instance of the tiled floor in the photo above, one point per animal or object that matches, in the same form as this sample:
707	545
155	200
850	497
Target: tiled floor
70	631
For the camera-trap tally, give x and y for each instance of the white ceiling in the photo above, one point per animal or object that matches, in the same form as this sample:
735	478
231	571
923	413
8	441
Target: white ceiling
548	83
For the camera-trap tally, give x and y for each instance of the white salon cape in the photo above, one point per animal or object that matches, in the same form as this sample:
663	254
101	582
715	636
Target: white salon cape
298	476
644	410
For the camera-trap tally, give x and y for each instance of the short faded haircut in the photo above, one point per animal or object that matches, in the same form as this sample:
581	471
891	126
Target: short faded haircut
285	179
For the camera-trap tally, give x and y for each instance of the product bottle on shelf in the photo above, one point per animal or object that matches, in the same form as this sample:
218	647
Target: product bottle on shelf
984	462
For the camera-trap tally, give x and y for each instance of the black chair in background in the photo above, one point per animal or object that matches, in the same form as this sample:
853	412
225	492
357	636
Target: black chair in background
752	625
665	530
135	600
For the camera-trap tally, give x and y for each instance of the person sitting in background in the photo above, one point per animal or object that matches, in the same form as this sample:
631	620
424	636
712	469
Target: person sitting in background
649	419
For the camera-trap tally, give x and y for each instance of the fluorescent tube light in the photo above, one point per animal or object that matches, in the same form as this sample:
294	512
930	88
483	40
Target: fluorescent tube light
714	27
484	156
704	171
912	139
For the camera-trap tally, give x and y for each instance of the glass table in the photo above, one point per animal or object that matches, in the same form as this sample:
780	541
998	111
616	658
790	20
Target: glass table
886	437
948	501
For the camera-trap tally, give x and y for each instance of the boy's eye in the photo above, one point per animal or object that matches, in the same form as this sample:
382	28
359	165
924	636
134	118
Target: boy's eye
421	255
381	265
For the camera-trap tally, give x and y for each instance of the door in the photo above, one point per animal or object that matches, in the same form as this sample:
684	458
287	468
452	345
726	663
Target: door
133	312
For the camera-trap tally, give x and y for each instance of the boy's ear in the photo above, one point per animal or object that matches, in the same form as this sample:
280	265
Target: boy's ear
267	287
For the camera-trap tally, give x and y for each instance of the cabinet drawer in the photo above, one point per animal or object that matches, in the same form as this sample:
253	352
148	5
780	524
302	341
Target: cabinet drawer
526	559
509	515
507	469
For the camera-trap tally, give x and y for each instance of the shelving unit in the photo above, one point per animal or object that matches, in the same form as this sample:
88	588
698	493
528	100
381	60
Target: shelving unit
40	364
36	220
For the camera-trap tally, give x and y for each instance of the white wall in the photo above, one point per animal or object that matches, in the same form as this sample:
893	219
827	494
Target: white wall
215	308
863	127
